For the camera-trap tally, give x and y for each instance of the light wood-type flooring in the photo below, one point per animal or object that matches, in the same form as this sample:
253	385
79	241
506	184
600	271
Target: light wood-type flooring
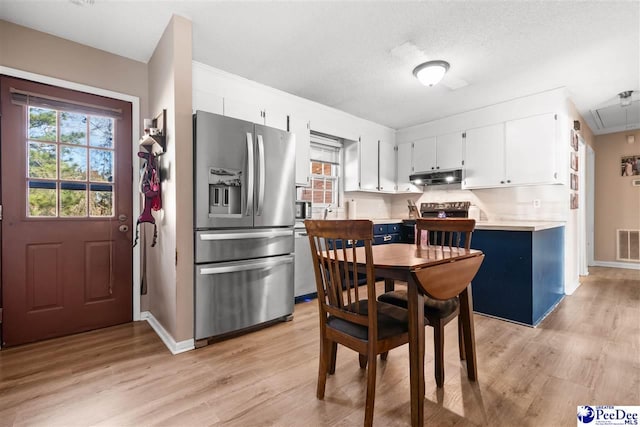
587	352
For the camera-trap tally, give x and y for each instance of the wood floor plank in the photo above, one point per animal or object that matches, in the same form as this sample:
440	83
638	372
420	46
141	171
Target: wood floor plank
585	352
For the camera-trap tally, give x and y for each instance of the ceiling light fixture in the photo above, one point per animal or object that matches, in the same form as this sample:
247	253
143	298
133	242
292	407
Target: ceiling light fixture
625	98
431	72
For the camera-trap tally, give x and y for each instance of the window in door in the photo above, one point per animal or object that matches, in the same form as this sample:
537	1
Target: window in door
325	154
70	169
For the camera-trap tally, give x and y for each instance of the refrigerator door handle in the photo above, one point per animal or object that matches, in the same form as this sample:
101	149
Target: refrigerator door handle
261	173
246	266
240	236
250	177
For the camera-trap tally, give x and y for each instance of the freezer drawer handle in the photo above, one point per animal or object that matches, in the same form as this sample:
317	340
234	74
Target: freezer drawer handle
239	236
245	267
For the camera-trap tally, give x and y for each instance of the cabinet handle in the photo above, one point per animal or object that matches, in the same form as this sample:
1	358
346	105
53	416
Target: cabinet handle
501	182
432	168
508	181
437	167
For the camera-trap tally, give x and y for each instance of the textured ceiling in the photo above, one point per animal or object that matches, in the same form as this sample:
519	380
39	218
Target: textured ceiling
346	55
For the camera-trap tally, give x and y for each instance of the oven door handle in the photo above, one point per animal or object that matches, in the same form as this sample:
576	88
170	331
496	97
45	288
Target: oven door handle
246	266
240	236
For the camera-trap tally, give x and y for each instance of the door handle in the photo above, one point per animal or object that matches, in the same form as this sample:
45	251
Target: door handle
250	177
261	173
123	228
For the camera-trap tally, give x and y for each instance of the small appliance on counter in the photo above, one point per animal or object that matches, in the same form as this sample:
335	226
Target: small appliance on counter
303	210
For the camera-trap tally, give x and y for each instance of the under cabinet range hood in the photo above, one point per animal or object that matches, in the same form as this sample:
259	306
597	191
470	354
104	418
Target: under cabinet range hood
439	177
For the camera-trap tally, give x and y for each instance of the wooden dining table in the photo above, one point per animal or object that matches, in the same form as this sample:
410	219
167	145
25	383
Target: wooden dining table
428	270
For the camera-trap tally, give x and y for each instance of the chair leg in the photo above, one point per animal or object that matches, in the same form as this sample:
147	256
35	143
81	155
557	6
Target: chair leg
332	358
438	349
362	358
463	355
384	355
371	388
325	344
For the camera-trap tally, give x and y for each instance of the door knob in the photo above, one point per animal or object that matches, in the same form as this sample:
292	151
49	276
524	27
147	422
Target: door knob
123	228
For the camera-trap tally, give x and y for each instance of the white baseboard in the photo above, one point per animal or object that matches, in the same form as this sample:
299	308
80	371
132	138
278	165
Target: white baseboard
173	346
615	264
570	290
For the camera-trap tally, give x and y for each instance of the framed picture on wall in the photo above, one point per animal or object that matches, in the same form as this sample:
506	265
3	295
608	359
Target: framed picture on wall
574	181
574	201
630	165
574	140
574	160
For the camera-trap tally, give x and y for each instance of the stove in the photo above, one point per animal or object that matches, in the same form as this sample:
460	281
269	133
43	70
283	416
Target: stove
445	210
434	210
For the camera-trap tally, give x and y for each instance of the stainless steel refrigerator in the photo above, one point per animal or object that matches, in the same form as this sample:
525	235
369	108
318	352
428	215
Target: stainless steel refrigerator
243	215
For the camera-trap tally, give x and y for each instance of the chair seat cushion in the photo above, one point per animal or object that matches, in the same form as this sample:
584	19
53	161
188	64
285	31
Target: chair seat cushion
392	320
432	307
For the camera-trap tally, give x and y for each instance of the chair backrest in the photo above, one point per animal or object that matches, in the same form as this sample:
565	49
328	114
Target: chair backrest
451	232
335	259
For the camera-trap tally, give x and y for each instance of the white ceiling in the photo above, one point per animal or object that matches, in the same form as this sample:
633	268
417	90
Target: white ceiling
339	53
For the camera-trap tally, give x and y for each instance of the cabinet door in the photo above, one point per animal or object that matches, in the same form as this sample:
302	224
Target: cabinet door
530	150
449	151
209	102
368	163
484	157
405	167
351	166
387	166
424	155
243	110
275	118
300	130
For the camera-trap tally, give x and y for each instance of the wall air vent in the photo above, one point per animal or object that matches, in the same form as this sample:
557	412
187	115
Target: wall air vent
635	183
628	243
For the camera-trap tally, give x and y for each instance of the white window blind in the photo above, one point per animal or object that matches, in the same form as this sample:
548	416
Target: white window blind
325	154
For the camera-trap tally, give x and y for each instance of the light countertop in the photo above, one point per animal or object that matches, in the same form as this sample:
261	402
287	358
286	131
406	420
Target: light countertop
518	225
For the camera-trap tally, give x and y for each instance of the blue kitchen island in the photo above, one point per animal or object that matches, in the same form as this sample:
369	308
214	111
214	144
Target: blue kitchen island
522	276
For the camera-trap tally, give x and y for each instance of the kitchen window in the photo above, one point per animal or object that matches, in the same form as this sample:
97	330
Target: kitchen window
325	155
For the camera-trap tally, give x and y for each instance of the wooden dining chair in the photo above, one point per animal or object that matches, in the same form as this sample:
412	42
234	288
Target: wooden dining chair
439	232
351	316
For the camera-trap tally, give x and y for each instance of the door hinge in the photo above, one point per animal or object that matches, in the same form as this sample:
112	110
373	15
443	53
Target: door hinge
464	134
0	314
176	257
0	218
463	163
555	117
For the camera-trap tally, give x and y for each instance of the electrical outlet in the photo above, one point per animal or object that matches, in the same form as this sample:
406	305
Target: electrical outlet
536	203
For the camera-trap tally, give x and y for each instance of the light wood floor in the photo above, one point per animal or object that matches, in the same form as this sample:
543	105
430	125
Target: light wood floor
586	352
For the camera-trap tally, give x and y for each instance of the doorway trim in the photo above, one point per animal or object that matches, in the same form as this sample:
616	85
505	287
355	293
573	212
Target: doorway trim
135	130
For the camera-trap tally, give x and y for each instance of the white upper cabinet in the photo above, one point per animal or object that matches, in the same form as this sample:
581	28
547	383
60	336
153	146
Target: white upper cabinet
449	151
300	130
368	163
516	152
242	110
387	166
405	168
275	117
484	157
424	155
438	153
209	102
530	154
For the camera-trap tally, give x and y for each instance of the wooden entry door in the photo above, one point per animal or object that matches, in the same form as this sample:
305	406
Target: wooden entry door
66	183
